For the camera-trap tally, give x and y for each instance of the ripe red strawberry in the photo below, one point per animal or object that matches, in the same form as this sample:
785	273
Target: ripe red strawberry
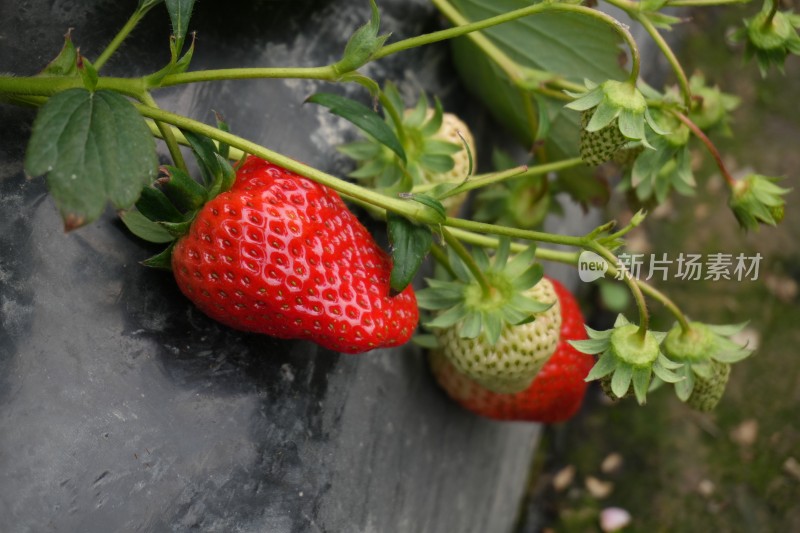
554	395
282	255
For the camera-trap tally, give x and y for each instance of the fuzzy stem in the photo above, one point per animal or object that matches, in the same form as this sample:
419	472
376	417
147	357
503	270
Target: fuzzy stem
469	261
166	134
709	145
123	33
662	44
636	291
514	173
773	10
325	73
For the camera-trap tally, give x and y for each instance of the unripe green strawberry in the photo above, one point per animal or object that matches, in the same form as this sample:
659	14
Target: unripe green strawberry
555	394
599	146
707	353
708	391
282	255
435	152
510	364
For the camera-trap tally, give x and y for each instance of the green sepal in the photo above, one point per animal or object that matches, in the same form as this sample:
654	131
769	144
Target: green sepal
426	341
684	387
88	72
156	206
64	64
177	229
144	228
756	200
161	260
222	148
641	383
360	115
448	318
604	366
410	244
182	190
205	151
591	346
621	380
363	44
433	203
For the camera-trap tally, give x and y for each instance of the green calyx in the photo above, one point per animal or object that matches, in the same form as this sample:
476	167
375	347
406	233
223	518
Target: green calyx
166	209
770	36
757	200
463	302
616	101
429	157
706	352
711	107
626	360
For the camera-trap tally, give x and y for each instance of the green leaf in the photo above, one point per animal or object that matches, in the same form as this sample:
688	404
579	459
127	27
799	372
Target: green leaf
144	228
180	12
65	62
572	46
363	117
433	203
410	244
222	148
94	148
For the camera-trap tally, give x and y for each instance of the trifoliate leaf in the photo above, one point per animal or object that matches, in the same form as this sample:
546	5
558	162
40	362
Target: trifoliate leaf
94	148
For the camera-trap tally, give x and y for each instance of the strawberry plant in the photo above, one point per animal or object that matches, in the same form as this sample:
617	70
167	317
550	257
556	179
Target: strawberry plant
264	243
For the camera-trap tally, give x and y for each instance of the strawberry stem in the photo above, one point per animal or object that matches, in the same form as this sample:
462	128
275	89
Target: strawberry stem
123	33
662	44
709	145
469	261
167	134
636	291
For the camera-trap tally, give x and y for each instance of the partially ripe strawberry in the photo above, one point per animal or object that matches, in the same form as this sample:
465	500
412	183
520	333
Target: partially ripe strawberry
281	255
510	363
555	395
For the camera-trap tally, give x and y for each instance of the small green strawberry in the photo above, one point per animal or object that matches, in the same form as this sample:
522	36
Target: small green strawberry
770	36
599	146
706	353
439	149
613	114
501	330
757	200
709	386
627	360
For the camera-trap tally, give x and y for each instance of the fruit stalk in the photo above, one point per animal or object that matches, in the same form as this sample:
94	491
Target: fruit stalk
712	149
